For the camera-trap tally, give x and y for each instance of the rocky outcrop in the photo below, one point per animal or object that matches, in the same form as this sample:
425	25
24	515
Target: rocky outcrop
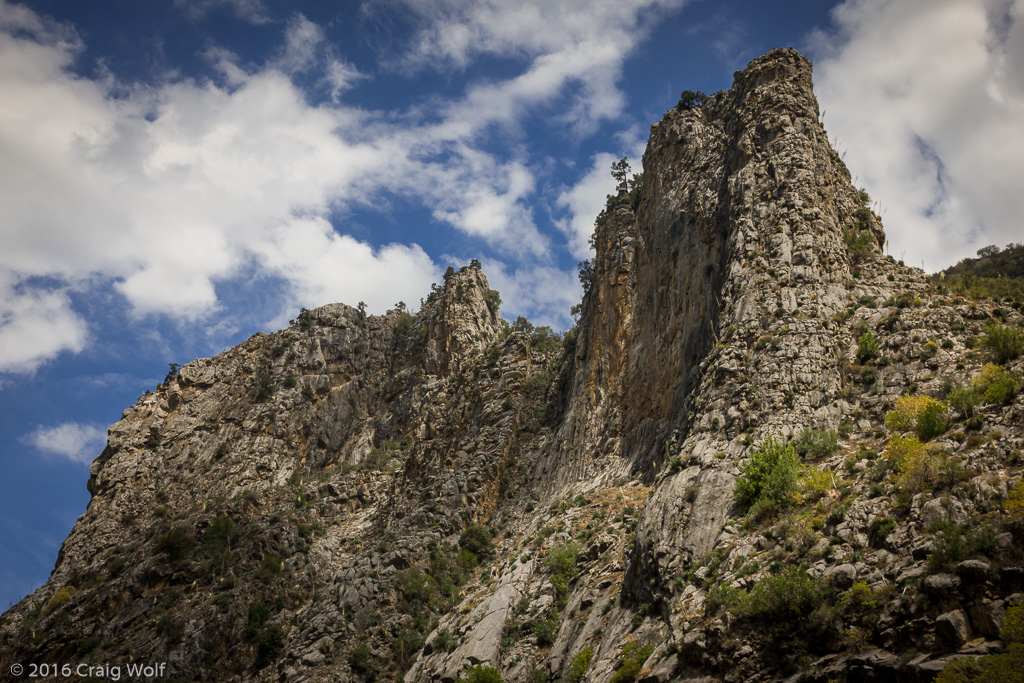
401	497
750	208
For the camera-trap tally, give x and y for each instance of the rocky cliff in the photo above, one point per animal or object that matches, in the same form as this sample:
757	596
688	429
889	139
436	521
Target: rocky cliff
766	451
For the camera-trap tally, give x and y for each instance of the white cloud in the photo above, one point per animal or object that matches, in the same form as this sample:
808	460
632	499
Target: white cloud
77	442
569	44
166	191
325	266
302	40
927	102
544	292
584	201
306	49
455	31
35	326
486	201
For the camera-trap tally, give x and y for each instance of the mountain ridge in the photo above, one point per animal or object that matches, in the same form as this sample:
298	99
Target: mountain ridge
423	496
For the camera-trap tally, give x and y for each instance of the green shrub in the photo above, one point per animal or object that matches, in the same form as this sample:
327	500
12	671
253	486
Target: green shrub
782	605
444	641
579	666
917	466
271	567
931	421
867	347
404	322
259	614
404	646
1014	503
546	630
217	540
691	99
964	400
88	644
269	643
175	543
153	440
493	300
817	443
770	478
628	669
466	559
922	414
477	540
1007	667
815	483
561	559
376	459
537	383
417	587
480	674
898	448
954	543
858	599
1003	342
860	243
721	595
879	530
362	661
1013	625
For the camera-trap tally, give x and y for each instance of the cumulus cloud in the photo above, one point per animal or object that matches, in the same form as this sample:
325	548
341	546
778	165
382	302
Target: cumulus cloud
325	266
77	442
164	192
168	190
927	103
35	326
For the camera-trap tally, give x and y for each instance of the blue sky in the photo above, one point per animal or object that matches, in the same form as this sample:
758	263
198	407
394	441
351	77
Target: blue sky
177	175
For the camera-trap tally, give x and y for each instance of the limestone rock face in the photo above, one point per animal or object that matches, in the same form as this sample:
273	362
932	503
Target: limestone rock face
405	496
747	206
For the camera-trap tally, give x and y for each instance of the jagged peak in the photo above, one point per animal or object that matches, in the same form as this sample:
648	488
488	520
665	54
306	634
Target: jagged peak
783	64
461	319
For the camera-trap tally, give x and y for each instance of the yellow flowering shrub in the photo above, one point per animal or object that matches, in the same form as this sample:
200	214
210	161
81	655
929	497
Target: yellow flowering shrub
1015	501
922	414
899	448
919	471
996	384
815	483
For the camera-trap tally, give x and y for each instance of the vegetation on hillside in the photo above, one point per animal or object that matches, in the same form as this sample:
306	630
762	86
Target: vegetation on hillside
995	274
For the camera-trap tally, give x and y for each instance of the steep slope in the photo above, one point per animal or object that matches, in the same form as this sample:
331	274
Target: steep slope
405	497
